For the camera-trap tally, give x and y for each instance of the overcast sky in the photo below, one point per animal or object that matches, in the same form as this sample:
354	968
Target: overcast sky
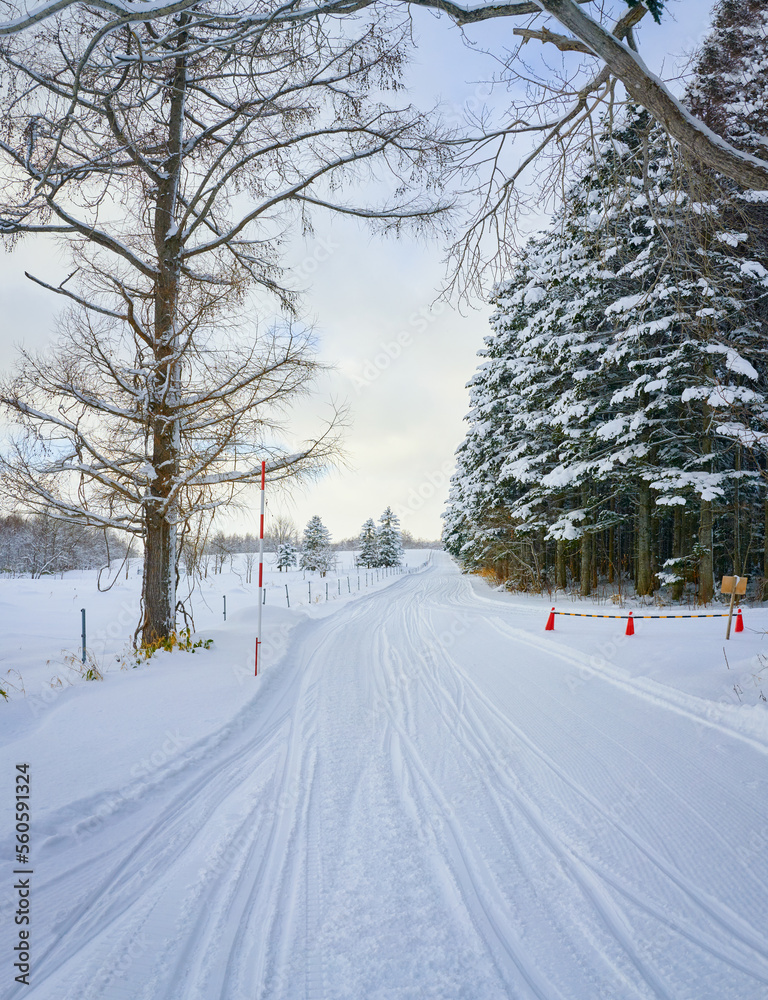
401	359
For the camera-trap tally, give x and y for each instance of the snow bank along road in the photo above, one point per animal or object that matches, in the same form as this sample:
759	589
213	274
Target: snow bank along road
423	801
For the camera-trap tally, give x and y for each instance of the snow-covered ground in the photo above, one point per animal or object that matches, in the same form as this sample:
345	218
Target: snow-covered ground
424	794
41	619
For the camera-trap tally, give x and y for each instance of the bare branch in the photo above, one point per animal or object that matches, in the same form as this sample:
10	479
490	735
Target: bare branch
562	42
60	290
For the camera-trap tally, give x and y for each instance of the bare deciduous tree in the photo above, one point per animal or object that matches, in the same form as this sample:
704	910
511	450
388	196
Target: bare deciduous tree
172	153
614	46
591	35
282	529
555	115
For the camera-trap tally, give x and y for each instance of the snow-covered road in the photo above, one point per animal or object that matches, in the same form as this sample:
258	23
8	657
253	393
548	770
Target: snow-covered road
424	801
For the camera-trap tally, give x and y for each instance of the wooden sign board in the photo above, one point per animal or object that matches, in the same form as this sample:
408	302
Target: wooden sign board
727	585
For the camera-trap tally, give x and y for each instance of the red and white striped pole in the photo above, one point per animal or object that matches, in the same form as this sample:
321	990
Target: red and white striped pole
261	569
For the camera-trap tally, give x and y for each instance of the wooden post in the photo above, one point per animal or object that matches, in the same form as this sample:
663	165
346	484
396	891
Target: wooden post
732	585
730	607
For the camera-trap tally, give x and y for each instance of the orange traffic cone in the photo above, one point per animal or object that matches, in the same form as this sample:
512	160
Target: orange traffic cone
550	626
739	622
630	625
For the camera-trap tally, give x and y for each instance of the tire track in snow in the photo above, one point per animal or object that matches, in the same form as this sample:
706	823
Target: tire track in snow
668	778
740	933
494	868
314	972
479	872
542	693
689	706
748	951
364	800
140	878
467	882
134	879
726	919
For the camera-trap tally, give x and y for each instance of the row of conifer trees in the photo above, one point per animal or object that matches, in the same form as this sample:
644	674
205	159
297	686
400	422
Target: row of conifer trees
619	417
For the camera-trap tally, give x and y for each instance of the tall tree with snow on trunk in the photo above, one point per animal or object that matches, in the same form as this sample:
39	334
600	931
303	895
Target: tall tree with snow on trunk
170	153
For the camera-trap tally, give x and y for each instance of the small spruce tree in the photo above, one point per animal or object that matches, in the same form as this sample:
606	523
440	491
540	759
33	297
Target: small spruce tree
369	545
316	552
390	542
286	556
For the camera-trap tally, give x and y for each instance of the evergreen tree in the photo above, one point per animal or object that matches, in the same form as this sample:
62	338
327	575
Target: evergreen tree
369	545
729	92
622	383
389	540
286	556
731	75
316	554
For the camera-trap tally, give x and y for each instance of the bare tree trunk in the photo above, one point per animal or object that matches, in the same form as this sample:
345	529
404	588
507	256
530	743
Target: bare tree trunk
677	533
585	577
706	578
585	572
560	574
678	530
611	547
644	581
706	569
159	587
765	550
594	560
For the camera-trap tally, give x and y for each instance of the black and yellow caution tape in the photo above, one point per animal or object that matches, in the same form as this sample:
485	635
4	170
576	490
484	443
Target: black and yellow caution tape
579	614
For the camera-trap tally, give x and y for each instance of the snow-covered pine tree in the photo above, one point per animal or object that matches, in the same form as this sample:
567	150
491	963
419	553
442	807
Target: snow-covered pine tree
286	556
316	554
729	92
731	75
389	539
626	342
369	545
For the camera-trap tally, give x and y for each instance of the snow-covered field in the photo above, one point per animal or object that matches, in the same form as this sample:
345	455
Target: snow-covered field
424	795
42	622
